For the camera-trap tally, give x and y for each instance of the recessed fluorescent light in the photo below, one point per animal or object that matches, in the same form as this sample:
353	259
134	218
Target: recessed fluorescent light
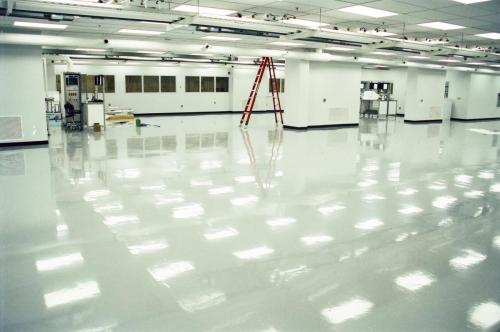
418	57
468	2
305	23
383	53
150	52
367	11
89	3
286	44
155	23
36	25
476	63
441	26
203	10
339	48
140	32
221	38
90	50
449	60
496	66
490	35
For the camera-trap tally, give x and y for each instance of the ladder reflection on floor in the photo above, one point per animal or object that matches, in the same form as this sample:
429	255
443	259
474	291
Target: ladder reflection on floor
277	140
247	112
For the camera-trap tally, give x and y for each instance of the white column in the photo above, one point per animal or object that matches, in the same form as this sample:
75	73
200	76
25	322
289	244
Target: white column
424	94
297	92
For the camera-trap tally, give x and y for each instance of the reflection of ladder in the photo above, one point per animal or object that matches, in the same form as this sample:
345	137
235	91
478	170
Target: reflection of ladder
247	112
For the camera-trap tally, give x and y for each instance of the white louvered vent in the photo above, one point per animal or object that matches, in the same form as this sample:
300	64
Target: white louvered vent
11	128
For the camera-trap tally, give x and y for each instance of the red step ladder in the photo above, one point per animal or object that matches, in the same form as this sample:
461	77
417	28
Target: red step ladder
247	112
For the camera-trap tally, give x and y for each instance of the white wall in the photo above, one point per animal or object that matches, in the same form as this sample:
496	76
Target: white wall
22	90
339	85
322	93
458	93
424	95
397	76
474	95
240	82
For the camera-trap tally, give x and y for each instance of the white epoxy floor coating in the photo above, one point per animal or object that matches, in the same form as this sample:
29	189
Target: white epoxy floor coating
197	226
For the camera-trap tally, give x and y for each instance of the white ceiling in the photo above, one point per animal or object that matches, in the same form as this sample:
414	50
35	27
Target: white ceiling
478	18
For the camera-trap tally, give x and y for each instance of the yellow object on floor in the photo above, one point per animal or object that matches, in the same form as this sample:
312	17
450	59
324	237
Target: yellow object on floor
120	117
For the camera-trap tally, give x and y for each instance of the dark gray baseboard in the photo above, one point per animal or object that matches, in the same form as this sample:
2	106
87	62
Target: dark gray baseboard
199	113
475	120
25	143
324	127
422	121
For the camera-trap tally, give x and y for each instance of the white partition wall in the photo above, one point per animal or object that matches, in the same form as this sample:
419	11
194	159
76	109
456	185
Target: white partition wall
22	105
322	93
424	97
474	95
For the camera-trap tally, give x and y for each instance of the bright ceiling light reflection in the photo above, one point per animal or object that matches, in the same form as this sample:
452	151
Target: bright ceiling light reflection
485	315
254	253
437	185
367	11
164	272
410	209
486	175
59	262
495	188
280	222
220	190
93	195
245	179
147	247
369	224
113	221
373	197
246	200
154	188
367	183
463	178
474	194
315	239
407	192
401	237
202	302
219	234
352	309
468	259
111	207
210	164
496	242
443	202
330	209
170	198
82	291
414	281
188	211
200	182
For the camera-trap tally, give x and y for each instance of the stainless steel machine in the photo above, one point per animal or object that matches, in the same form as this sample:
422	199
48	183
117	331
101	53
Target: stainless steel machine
72	115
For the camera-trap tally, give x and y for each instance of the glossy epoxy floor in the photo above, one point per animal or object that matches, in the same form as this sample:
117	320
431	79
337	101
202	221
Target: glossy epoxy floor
196	226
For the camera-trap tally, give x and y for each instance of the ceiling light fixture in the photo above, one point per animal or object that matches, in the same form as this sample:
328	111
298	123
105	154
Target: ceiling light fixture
305	23
381	33
367	11
221	38
140	32
490	35
421	57
468	2
441	26
476	63
36	25
383	53
340	48
449	60
203	10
